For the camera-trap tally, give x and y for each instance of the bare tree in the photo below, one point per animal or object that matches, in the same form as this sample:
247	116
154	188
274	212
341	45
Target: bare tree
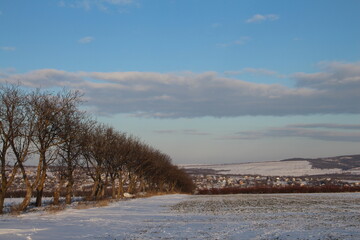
48	110
94	153
125	153
20	132
9	100
116	145
73	124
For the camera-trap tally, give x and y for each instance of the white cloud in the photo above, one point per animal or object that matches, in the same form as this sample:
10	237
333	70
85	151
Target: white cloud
261	18
61	4
334	76
216	25
98	4
255	71
119	2
7	48
85	40
304	131
6	72
259	71
184	132
194	132
327	125
335	90
166	131
241	41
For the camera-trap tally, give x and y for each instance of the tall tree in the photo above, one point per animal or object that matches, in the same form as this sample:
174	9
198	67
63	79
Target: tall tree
74	124
94	153
20	132
116	155
10	100
48	109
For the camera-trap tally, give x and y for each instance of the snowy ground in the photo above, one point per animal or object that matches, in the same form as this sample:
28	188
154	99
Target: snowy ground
46	201
287	216
282	168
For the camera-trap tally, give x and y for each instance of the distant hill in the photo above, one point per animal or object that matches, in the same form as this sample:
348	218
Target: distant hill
341	162
344	165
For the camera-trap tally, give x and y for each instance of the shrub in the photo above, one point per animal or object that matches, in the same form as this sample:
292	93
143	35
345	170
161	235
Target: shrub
284	189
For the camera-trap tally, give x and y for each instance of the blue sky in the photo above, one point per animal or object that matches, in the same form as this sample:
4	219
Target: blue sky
203	81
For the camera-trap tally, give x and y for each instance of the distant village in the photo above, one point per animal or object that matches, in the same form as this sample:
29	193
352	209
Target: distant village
208	181
53	180
348	176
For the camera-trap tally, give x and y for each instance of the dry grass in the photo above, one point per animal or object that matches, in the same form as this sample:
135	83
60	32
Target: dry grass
102	203
15	210
55	208
152	194
87	204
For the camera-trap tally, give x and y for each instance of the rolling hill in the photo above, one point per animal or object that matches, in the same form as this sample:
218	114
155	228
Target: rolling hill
344	165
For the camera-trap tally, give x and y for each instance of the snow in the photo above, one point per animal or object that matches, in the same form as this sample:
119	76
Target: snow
283	168
46	201
257	217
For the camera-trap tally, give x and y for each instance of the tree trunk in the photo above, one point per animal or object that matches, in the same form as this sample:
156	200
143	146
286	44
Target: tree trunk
132	184
161	186
25	203
69	190
41	176
56	196
70	184
39	193
3	189
102	192
95	194
40	188
57	191
113	189
120	193
172	187
5	183
2	199
95	189
142	185
99	191
104	187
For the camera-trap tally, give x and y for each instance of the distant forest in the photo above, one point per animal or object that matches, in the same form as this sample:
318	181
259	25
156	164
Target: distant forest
51	128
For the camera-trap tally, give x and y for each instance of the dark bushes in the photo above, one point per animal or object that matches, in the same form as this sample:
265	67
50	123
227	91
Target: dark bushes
284	189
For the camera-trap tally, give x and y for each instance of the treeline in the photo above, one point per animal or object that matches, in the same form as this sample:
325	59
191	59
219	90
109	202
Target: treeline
280	189
49	130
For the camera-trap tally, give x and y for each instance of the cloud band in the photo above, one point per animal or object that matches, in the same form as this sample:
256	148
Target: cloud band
334	90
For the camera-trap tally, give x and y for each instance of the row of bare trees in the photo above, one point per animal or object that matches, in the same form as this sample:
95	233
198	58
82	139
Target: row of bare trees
48	130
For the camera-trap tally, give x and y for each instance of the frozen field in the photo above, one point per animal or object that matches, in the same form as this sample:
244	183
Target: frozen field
288	216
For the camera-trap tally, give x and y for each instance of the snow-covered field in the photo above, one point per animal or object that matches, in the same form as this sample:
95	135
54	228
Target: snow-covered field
276	168
287	216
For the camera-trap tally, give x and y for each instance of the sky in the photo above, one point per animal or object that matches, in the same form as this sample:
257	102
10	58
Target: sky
204	81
